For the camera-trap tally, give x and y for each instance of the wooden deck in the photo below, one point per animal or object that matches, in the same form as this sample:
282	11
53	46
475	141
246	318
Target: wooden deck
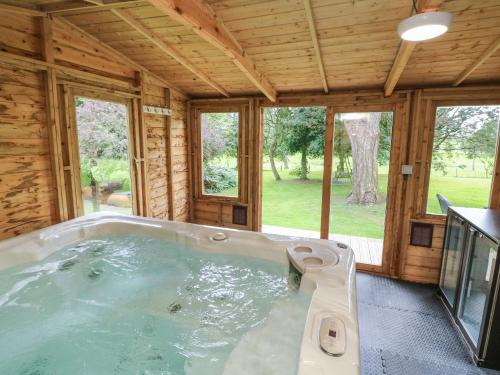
366	250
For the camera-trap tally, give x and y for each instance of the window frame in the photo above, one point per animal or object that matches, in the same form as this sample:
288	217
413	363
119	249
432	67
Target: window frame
199	193
494	196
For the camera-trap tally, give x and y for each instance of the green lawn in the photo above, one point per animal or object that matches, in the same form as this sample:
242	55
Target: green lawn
293	203
464	192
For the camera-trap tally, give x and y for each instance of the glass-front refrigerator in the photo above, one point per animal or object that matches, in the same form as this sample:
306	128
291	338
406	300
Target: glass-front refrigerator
470	280
477	283
452	257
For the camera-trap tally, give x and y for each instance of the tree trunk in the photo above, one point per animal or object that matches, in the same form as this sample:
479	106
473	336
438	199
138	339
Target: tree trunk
303	164
364	134
285	160
340	172
95	199
272	148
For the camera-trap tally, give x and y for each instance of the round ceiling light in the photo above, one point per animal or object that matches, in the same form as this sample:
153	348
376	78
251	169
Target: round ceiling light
424	26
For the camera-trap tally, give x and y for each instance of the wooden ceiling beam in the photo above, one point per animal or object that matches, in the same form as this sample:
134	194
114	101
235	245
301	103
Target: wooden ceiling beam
121	57
166	48
398	66
406	48
198	16
492	48
68	10
21	10
314	37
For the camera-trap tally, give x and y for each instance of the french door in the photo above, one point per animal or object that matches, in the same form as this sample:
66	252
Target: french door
343	194
361	182
102	152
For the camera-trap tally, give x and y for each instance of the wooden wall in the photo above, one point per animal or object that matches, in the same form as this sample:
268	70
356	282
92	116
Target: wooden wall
157	152
27	199
216	210
179	160
412	141
421	263
28	189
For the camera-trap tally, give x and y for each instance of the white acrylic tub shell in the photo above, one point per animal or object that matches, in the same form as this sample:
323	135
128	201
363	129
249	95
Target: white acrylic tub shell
332	284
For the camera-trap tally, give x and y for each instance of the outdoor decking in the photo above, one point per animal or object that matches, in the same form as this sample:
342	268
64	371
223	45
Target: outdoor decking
366	250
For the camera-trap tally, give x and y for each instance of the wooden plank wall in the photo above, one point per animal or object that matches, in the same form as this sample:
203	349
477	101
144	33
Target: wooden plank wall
179	161
157	151
413	141
28	200
216	210
417	263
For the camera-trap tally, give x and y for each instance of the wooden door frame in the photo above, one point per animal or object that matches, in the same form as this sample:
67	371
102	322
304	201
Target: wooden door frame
136	146
394	184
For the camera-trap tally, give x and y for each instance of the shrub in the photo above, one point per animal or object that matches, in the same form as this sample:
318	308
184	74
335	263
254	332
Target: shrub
107	170
217	178
297	170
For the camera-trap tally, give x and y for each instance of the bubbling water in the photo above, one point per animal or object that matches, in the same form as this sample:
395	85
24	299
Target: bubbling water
135	305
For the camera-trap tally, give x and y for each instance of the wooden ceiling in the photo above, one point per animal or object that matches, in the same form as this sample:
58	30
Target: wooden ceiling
287	44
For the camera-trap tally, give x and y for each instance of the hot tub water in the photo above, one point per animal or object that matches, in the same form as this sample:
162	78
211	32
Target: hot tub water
126	304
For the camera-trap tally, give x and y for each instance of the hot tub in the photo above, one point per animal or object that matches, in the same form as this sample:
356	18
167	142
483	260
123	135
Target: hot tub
226	307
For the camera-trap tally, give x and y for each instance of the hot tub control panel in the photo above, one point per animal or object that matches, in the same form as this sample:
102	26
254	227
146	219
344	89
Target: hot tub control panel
332	336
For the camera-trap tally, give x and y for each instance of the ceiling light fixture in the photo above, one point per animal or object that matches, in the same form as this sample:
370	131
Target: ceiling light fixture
424	26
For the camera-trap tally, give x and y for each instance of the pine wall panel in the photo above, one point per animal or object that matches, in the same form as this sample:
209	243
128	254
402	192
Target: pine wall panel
27	199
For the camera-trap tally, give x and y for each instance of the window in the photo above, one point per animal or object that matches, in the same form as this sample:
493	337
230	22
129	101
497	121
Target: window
219	140
463	157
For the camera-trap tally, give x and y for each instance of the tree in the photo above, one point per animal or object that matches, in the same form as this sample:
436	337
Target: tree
364	133
384	148
219	134
464	130
342	150
277	121
102	133
306	135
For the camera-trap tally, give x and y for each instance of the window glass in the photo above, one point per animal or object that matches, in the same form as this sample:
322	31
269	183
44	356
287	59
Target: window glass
219	138
463	157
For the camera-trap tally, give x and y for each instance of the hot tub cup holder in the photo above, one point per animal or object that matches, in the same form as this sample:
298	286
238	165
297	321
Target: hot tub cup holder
310	257
218	236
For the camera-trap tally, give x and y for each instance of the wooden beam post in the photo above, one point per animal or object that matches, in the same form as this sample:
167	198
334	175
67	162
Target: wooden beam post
492	48
63	9
53	119
314	37
166	48
21	10
327	173
198	16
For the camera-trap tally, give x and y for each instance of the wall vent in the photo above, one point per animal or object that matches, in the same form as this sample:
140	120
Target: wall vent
240	215
421	234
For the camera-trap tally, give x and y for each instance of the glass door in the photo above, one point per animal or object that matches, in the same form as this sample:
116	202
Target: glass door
359	188
102	129
292	170
477	283
453	250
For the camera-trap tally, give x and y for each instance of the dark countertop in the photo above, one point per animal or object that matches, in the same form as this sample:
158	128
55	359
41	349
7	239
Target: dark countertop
484	219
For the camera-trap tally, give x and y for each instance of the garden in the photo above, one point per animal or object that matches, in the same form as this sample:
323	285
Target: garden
104	159
462	166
